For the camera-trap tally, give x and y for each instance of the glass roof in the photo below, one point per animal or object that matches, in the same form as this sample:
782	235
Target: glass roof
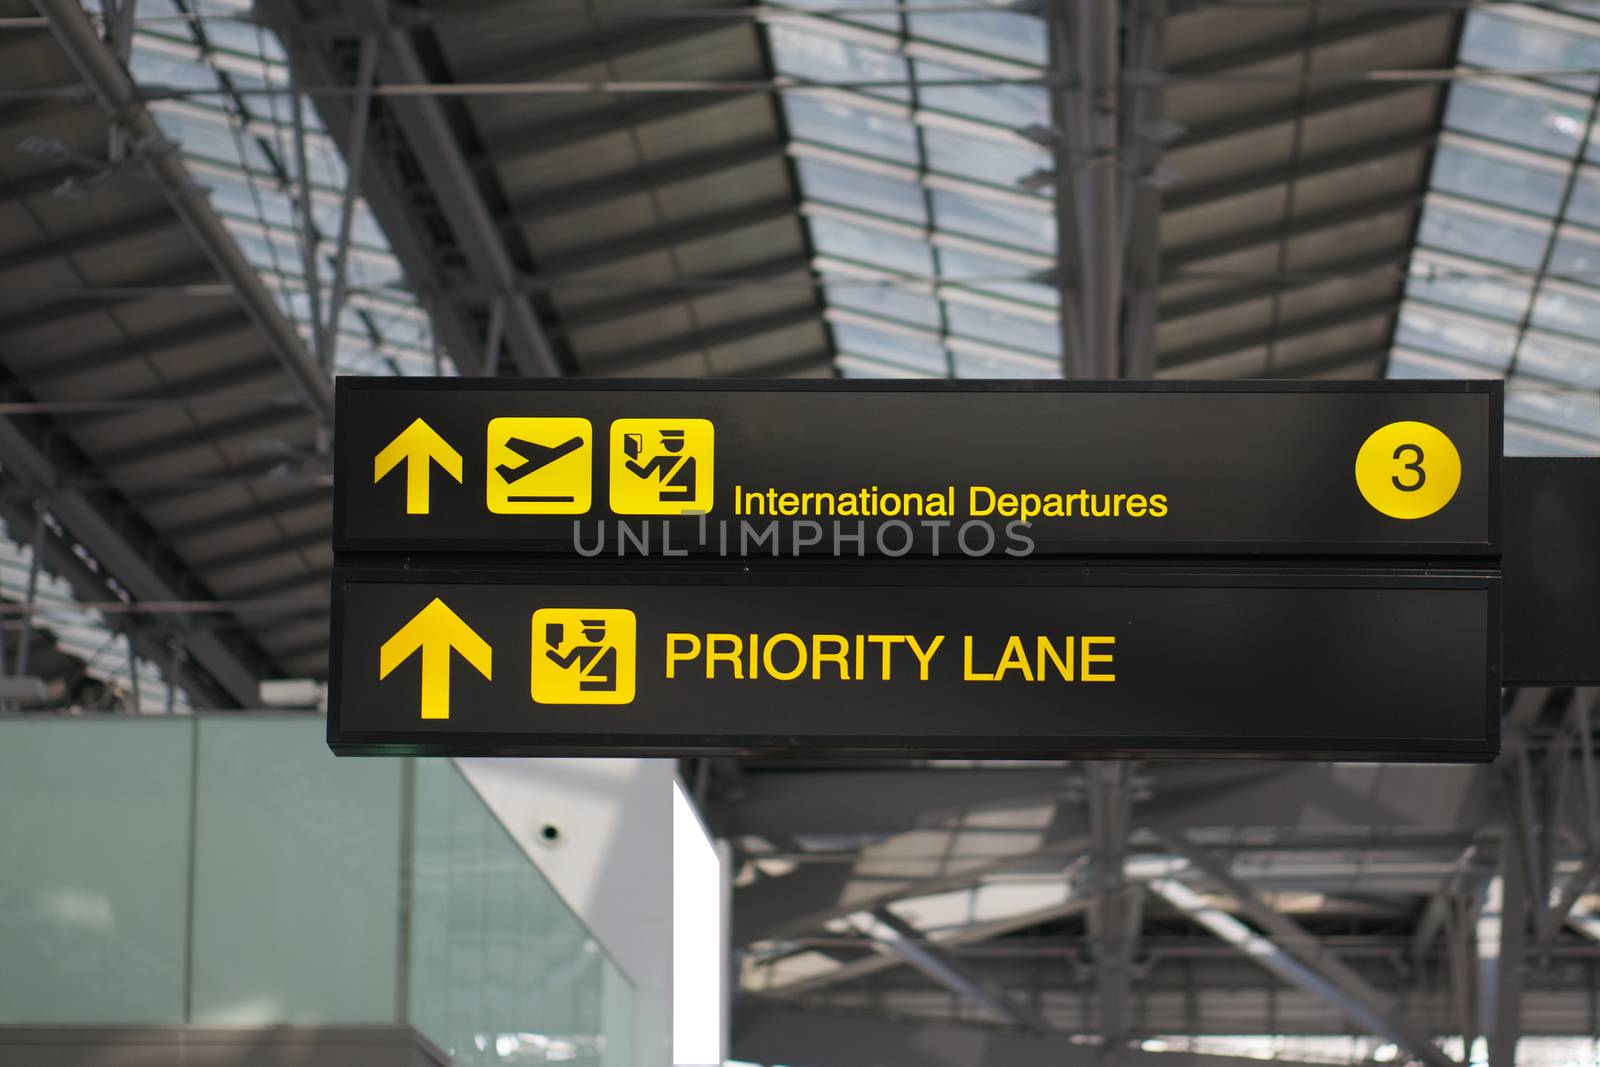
241	149
1505	281
81	631
931	247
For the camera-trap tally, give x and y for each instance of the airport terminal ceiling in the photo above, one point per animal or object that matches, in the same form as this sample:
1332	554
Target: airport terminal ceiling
212	207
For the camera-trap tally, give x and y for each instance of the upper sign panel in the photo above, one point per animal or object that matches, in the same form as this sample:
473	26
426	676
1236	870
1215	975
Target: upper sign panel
959	469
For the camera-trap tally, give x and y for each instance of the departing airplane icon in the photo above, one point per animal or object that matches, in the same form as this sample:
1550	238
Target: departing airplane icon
535	457
539	465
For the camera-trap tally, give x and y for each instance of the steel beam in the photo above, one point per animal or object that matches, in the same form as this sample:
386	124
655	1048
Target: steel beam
1256	119
1291	953
210	329
355	155
907	942
37	454
95	236
644	179
439	154
279	546
1302	225
1393	257
567	131
1298	41
154	637
594	257
703	340
266	418
118	97
1189	197
1066	145
1323	320
609	44
951	942
425	250
775	1033
1146	37
1503	956
1109	929
212	521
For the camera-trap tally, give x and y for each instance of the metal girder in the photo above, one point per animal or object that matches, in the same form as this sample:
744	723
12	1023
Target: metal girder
280	546
1298	41
908	943
431	150
589	193
1576	728
917	819
280	587
1110	806
440	156
1188	197
699	340
425	251
1290	953
977	933
38	455
1142	133
779	802
1277	230
264	468
206	386
49	313
1394	256
551	135
118	97
256	509
592	257
774	1033
811	896
153	638
609	44
1323	320
143	346
1261	118
1107	146
128	229
672	292
266	418
39	183
791	367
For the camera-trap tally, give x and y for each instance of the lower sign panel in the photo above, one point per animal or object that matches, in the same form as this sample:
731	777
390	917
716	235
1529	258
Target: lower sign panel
907	661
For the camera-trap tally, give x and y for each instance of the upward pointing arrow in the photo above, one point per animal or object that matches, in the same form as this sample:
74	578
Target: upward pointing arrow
416	445
435	630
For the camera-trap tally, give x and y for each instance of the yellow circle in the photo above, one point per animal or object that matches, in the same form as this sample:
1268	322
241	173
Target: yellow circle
1408	470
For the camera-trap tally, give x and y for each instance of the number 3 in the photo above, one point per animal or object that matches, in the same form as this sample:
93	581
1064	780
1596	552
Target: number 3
1415	465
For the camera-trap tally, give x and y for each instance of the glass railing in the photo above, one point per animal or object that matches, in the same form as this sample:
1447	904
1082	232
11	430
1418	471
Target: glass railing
231	871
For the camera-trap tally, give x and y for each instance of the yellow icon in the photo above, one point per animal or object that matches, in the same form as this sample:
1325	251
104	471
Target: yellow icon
1408	470
540	466
435	630
417	445
661	466
583	655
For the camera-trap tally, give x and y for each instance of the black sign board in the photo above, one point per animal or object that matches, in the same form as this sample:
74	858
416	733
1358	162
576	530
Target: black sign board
934	659
1370	469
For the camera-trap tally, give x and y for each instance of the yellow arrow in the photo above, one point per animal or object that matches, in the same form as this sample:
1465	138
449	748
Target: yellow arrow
416	445
436	630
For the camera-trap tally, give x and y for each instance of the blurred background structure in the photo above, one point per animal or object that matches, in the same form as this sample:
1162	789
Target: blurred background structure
209	208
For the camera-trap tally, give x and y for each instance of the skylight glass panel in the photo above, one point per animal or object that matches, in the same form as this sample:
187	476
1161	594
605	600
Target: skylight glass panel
241	148
931	247
1506	277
